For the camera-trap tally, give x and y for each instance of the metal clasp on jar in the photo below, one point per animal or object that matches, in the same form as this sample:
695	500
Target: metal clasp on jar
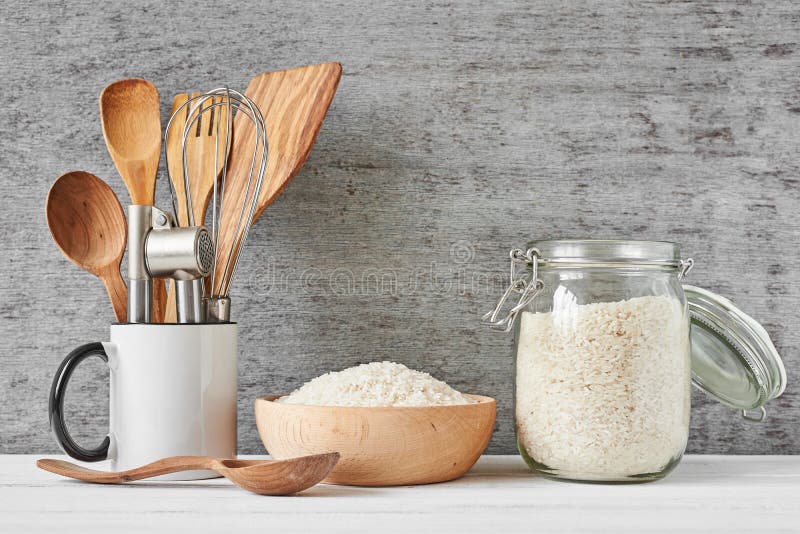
685	267
527	285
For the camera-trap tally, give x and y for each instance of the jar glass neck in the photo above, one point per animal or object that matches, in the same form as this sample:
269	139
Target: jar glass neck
680	267
606	251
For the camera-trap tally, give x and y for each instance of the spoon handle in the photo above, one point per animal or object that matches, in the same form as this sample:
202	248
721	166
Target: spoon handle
159	300
163	466
117	293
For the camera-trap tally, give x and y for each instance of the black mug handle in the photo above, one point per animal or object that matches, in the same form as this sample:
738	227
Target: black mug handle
56	406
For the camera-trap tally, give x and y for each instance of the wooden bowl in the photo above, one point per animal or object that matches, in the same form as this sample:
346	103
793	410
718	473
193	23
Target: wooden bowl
381	446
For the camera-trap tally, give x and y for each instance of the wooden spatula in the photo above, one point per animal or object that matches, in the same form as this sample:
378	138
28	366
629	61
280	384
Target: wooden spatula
206	138
131	117
294	103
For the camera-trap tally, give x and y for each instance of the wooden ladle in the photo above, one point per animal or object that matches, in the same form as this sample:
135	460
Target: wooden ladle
88	225
265	477
131	116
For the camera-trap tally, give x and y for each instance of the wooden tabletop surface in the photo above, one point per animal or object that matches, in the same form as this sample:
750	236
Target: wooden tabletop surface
499	495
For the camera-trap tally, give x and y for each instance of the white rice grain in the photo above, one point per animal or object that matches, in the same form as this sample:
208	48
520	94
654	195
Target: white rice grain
603	389
376	384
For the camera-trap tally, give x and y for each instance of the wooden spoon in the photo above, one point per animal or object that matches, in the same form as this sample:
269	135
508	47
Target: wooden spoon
294	103
265	477
131	117
88	225
205	157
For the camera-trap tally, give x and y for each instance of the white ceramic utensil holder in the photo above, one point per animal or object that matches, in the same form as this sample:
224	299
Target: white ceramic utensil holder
173	393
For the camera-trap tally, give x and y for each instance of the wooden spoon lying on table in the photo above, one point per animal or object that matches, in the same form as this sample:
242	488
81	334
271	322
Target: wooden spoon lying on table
131	117
205	156
88	225
294	103
265	477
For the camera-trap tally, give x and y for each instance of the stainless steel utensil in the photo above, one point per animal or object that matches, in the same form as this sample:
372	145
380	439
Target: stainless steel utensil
158	249
141	221
235	195
186	255
206	159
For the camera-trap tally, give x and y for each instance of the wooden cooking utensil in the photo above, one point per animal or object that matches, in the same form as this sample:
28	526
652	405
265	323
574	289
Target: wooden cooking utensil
294	103
204	164
131	117
205	156
88	225
265	477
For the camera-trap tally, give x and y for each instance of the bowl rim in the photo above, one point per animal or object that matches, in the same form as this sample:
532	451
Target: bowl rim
483	400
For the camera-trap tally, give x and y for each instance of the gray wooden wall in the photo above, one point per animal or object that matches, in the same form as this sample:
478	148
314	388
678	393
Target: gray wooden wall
460	129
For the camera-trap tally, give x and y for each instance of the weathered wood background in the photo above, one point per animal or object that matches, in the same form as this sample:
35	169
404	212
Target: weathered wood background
460	129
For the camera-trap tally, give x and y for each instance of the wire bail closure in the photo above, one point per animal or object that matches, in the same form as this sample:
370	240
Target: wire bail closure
685	266
527	284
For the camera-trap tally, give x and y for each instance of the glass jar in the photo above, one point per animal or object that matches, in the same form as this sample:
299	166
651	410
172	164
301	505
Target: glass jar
603	358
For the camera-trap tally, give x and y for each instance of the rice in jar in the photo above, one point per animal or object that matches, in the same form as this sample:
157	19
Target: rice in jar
603	368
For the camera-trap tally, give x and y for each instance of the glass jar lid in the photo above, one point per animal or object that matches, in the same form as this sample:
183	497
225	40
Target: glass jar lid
606	251
733	358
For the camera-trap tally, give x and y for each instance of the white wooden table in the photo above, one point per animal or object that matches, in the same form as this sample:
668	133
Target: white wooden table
705	494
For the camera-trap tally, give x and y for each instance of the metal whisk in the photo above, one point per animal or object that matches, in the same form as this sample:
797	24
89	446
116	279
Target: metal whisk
235	194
